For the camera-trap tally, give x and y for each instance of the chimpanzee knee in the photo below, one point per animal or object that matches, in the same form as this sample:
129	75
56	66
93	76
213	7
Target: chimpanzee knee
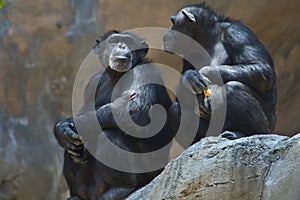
244	112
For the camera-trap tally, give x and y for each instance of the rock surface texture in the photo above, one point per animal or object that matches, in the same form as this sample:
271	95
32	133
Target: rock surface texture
261	167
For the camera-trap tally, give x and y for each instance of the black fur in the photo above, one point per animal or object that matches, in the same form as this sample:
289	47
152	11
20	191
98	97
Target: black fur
87	178
243	63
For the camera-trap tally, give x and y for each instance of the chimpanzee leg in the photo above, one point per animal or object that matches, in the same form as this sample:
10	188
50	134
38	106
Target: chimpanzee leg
69	172
79	177
113	184
117	193
74	198
174	114
244	115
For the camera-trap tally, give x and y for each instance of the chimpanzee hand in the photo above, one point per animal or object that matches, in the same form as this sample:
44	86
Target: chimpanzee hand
211	72
204	109
68	138
197	81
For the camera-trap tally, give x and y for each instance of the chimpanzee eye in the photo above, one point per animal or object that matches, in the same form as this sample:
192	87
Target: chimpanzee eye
114	40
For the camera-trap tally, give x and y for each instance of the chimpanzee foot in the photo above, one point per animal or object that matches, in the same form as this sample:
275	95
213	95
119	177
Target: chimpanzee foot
116	193
232	135
74	198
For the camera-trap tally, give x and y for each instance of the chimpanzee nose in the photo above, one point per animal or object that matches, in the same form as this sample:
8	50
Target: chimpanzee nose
122	46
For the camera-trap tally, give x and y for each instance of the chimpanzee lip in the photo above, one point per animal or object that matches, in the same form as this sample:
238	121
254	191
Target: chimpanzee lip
122	60
121	57
167	48
121	67
167	51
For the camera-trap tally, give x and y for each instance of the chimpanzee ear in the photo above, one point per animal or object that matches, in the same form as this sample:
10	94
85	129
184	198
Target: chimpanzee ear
144	49
98	41
189	17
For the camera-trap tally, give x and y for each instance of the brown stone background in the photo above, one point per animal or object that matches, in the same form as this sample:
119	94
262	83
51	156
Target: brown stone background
42	44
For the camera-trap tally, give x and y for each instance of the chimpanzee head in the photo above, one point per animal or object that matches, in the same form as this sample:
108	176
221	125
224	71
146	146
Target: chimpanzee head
196	21
120	50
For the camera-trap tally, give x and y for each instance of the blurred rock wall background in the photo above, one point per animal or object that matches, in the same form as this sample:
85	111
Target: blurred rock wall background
42	44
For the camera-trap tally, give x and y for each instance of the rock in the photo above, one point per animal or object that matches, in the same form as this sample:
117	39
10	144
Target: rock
258	167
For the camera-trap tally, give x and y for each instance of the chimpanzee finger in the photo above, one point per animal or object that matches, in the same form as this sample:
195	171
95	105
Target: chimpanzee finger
78	159
72	147
200	83
191	86
204	107
196	88
76	142
72	134
72	137
72	144
73	153
69	143
205	81
197	80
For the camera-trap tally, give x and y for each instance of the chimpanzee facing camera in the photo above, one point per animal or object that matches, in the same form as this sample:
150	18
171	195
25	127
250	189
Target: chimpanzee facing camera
88	178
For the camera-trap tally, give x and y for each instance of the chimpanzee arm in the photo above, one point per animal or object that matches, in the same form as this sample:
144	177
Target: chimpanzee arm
105	117
251	64
258	76
97	95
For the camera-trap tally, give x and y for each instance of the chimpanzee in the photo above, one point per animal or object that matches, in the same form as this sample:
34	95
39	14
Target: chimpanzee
88	178
242	62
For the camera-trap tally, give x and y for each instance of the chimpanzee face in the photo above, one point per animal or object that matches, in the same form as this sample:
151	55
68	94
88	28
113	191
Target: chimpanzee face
182	23
121	51
190	22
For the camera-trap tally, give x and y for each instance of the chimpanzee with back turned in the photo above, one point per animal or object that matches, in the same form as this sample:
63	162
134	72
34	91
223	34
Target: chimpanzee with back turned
87	178
243	63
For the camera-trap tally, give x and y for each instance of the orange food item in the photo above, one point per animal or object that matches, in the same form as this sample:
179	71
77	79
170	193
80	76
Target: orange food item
207	92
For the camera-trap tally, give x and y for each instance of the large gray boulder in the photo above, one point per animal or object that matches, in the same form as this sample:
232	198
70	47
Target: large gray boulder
258	167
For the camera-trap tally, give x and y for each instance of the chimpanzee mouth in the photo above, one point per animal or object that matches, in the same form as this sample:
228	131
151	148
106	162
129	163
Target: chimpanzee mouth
122	67
167	48
121	58
167	51
122	63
